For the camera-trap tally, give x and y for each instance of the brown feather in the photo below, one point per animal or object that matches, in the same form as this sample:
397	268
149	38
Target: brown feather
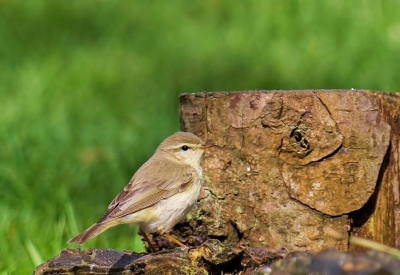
138	195
93	231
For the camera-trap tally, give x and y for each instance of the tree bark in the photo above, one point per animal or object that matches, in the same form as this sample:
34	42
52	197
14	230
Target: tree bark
214	258
379	218
289	163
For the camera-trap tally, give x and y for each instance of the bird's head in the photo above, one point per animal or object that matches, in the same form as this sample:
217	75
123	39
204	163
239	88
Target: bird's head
184	147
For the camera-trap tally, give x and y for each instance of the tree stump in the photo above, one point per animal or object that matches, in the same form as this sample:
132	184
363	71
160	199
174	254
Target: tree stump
289	163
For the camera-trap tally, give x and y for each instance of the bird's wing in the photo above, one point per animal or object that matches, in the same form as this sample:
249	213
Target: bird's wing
146	189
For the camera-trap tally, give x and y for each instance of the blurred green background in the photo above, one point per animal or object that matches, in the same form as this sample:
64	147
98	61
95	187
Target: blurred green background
88	89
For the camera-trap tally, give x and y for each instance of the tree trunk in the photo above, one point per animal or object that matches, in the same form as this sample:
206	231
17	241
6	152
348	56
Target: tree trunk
289	163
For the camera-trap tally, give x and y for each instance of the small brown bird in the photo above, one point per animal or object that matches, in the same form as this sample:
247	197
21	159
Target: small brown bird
160	193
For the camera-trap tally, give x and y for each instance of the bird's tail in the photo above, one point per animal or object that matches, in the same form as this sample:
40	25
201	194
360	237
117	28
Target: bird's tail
93	231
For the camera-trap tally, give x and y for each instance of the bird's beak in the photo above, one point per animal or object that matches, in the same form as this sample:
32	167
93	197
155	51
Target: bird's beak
206	145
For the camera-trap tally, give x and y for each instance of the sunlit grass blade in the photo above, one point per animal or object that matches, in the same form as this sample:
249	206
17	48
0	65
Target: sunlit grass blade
363	242
33	253
73	227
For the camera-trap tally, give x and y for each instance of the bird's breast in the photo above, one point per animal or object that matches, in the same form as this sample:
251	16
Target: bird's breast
174	209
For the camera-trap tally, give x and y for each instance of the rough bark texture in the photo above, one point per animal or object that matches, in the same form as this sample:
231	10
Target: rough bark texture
210	258
289	163
214	258
379	218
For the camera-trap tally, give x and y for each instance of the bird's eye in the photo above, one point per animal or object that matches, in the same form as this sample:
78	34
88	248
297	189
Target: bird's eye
185	148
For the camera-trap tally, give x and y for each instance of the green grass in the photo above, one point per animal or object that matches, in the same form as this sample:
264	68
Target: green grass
89	88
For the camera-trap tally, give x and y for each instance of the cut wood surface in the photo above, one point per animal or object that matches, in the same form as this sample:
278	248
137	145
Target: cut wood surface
289	163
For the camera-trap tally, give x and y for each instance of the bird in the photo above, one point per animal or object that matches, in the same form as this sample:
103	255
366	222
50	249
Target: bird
160	193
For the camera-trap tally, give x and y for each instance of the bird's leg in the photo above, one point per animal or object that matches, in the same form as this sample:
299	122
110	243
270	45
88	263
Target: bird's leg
172	239
152	247
255	259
